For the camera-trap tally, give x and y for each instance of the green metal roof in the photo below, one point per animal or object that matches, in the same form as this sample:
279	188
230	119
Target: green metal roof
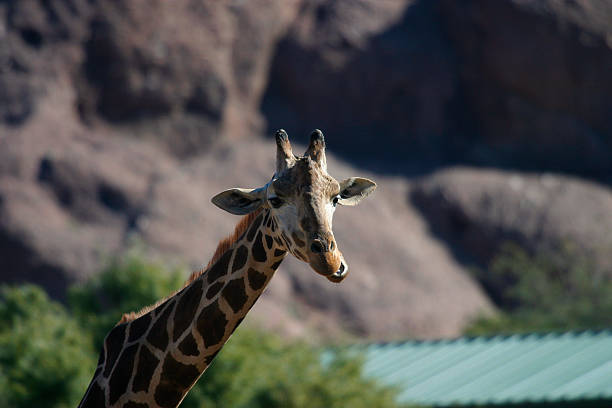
502	370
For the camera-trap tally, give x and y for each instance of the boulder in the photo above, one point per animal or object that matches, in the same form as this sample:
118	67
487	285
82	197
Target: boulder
366	69
182	73
537	77
69	196
519	84
478	210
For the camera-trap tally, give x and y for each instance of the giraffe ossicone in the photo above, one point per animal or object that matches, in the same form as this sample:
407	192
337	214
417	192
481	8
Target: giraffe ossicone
152	358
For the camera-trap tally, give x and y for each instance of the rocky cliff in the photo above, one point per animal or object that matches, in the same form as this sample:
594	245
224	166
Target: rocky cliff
119	121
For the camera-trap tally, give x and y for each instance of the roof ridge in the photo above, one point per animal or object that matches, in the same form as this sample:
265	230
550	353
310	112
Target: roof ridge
499	336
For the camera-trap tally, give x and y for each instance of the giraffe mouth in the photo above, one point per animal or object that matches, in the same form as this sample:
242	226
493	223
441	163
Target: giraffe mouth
329	264
340	274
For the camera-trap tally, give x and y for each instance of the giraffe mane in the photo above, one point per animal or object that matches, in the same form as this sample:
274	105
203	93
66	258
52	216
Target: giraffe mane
223	246
226	243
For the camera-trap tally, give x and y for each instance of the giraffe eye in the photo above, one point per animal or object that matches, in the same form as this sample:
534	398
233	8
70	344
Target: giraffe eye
275	202
335	200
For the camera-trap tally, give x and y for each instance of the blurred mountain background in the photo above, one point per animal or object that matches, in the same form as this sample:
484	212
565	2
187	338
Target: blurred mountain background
484	123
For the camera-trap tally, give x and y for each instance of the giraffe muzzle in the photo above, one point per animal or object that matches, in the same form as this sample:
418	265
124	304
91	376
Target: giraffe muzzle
329	264
340	274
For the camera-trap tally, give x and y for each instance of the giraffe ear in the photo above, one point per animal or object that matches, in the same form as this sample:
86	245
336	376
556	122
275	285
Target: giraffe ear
239	201
355	189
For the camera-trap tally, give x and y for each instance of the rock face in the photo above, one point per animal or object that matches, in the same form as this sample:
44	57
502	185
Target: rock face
513	83
523	84
537	76
154	69
119	120
391	75
477	211
70	198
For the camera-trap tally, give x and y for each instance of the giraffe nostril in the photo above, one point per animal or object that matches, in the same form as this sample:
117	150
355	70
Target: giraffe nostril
317	247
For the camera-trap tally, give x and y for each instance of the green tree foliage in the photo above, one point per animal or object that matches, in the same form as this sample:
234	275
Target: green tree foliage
48	353
261	370
547	292
128	284
45	359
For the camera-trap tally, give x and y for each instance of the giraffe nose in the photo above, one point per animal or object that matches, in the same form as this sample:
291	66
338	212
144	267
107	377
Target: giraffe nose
319	245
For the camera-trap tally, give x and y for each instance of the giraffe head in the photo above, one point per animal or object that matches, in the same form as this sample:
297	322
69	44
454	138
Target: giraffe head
302	198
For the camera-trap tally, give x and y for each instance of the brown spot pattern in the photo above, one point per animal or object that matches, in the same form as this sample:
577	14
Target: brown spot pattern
286	240
147	362
210	358
285	237
276	264
240	258
220	267
186	308
214	289
297	240
300	255
254	228
114	345
279	252
159	309
166	396
183	375
259	253
132	404
256	279
158	336
269	241
188	346
211	324
278	241
235	295
95	398
121	374
175	379
139	326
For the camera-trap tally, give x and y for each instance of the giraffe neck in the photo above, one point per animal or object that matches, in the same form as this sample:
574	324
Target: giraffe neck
154	360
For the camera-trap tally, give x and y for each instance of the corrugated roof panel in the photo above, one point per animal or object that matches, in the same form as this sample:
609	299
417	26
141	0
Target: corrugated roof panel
529	372
501	369
436	359
451	382
596	380
386	362
504	373
580	356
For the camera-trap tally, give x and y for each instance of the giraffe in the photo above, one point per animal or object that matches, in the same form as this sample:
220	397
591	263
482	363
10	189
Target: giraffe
152	358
